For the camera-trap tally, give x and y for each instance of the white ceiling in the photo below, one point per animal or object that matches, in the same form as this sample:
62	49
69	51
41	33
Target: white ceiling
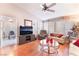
60	10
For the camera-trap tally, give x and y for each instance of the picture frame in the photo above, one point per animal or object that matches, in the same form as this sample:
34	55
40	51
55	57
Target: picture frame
27	22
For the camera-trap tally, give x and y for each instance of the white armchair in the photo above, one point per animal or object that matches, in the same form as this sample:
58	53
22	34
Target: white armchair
73	50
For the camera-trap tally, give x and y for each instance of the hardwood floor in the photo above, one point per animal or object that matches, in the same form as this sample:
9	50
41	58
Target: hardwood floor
29	49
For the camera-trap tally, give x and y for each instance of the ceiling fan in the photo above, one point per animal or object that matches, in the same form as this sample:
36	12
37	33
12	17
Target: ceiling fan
45	7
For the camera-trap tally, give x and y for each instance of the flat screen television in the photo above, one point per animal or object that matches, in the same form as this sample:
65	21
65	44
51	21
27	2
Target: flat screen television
24	30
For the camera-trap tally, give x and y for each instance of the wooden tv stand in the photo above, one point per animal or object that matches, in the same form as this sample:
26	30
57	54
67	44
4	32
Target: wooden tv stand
26	38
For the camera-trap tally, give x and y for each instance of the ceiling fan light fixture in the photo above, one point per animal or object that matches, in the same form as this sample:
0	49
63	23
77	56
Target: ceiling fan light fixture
46	8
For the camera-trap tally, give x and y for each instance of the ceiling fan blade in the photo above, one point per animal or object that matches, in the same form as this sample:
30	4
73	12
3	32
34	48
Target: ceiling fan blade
44	5
50	10
51	5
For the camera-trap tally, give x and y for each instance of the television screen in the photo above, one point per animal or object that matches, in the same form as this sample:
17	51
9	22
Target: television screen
24	30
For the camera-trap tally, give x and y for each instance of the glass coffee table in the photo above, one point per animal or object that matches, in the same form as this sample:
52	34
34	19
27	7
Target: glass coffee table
47	48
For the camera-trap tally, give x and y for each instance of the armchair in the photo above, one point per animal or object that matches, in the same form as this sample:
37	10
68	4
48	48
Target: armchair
43	34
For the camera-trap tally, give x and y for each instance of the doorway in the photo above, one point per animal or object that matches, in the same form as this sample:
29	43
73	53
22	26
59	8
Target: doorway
8	31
